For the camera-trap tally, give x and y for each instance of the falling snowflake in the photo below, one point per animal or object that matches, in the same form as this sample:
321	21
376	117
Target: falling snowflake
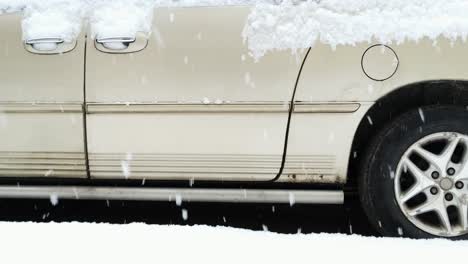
178	199
369	119
421	114
400	231
184	214
292	199
125	168
54	199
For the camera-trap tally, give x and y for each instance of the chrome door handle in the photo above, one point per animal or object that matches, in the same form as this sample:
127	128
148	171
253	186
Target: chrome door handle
122	44
116	43
49	45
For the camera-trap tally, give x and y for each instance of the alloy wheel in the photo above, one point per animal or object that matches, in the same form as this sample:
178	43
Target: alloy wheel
431	184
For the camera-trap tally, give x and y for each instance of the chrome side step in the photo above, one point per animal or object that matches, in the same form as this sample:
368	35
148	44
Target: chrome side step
174	194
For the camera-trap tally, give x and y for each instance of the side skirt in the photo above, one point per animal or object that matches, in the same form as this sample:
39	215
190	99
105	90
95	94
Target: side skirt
174	194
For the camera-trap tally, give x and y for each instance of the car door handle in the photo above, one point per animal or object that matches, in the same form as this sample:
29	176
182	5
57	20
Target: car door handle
116	43
49	45
122	44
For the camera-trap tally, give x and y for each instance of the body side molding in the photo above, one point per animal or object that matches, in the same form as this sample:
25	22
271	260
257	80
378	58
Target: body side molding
234	107
33	107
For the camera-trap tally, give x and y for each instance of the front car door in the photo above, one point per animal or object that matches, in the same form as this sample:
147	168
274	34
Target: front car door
191	105
41	117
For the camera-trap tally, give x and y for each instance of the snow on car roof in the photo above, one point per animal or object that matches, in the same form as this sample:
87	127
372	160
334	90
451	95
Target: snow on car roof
271	25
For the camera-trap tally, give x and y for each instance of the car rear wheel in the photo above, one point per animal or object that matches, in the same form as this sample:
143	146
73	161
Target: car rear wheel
414	178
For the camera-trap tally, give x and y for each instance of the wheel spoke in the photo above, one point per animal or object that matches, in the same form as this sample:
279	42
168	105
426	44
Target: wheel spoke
462	175
449	150
430	157
440	161
463	211
427	206
436	204
444	219
416	189
421	178
417	173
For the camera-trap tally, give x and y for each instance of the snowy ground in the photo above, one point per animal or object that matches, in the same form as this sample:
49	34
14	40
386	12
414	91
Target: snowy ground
162	242
140	243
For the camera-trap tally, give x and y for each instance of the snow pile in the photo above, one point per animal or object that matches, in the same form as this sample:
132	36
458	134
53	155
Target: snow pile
271	25
120	18
138	243
64	18
300	24
107	18
188	3
57	18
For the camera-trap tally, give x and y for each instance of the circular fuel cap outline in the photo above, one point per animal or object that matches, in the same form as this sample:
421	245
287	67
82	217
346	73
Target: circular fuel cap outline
387	47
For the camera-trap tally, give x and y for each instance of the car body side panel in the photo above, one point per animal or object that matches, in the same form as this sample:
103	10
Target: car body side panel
200	55
193	105
336	76
41	117
184	146
326	136
27	77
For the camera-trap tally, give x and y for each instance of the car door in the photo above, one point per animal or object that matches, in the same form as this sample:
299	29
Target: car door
190	104
41	117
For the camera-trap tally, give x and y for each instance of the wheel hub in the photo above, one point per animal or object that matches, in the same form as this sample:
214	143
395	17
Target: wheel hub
446	184
430	184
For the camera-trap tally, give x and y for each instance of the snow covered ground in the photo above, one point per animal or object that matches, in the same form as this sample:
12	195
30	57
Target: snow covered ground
138	243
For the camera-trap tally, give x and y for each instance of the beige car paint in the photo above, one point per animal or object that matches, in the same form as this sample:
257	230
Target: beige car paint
336	75
331	76
205	102
193	105
41	117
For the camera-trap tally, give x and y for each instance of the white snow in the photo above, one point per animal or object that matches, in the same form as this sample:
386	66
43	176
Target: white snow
48	173
123	18
57	18
400	231
54	199
125	166
292	199
138	243
271	25
369	119
300	24
185	214
178	199
206	100
421	114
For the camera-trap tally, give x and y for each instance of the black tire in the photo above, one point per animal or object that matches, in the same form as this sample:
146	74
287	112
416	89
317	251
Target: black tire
376	184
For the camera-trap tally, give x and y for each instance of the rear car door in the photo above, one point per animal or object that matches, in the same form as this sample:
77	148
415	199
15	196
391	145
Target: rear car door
190	104
41	117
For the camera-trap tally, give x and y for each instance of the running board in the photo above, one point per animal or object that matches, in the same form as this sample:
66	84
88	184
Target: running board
174	194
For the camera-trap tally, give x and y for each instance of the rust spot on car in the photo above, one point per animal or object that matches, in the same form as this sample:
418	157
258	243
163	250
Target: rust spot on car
313	178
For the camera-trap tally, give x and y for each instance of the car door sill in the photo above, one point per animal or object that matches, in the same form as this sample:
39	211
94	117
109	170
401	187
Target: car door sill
174	194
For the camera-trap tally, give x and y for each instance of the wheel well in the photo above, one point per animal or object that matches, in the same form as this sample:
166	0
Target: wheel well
399	101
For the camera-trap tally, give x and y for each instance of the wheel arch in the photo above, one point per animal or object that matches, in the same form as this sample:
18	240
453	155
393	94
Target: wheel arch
395	103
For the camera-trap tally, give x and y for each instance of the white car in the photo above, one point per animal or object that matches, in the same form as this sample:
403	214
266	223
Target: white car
194	118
